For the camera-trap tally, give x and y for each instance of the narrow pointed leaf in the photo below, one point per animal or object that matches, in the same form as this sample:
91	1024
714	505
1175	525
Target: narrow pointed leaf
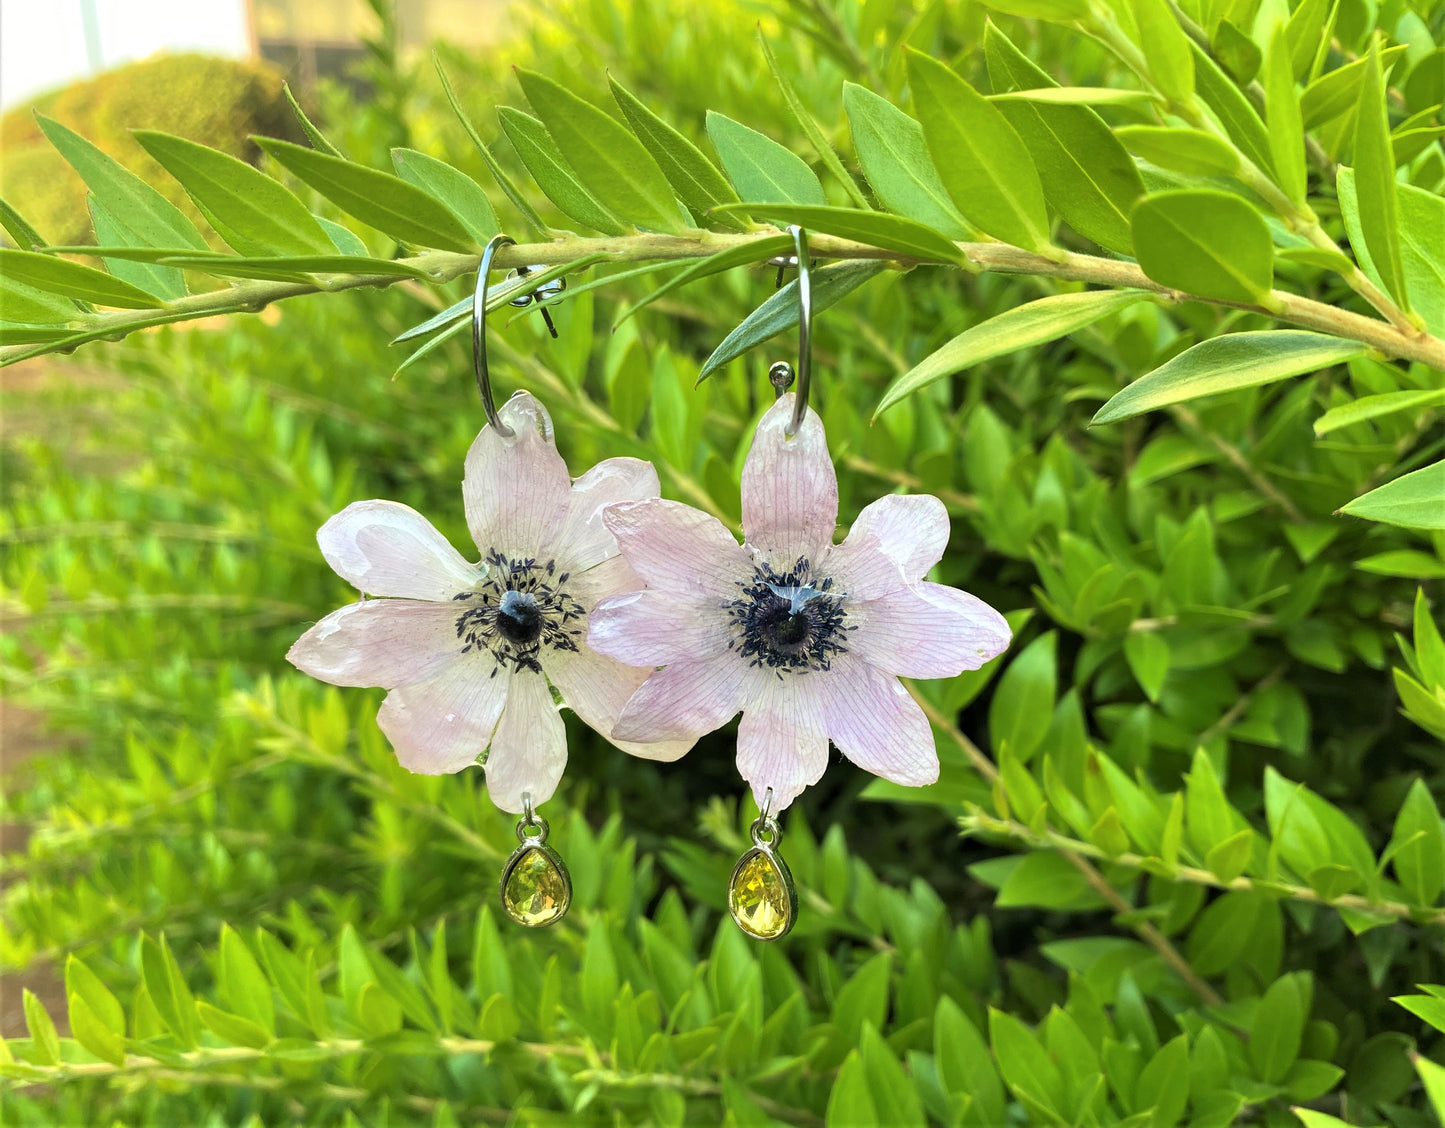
897	164
1226	364
606	157
149	216
346	241
1234	111
1375	179
462	195
831	284
377	198
23	303
1302	34
1205	242
1191	151
759	167
980	158
1422	245
72	280
1338	91
1374	407
1033	323
19	229
877	229
1166	47
758	251
1415	501
163	281
553	175
1286	128
95	1035
315	136
697	181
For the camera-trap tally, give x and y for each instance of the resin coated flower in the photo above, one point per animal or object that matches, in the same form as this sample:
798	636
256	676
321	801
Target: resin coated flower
467	650
805	637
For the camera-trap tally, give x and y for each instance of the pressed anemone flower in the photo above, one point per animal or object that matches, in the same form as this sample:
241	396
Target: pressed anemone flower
805	637
467	650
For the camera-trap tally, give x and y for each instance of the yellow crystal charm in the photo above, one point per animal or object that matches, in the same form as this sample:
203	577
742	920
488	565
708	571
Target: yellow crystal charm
536	889
760	895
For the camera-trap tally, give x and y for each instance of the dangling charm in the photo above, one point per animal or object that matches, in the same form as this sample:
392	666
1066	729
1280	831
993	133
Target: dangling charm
761	897
536	887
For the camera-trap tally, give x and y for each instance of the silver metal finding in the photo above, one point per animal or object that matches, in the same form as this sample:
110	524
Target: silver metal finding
540	294
479	333
778	373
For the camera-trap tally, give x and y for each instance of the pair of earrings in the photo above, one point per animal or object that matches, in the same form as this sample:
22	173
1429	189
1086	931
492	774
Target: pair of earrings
652	623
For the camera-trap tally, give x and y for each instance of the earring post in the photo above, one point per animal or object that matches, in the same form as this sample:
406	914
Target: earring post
805	331
479	334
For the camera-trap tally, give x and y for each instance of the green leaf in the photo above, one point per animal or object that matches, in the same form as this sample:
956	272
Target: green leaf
499	174
1432	1076
232	1028
287	972
1310	832
1286	128
346	241
877	229
552	174
1190	151
152	219
607	158
1166	49
254	213
850	1104
1025	1064
1226	859
1404	562
1086	175
1032	323
168	991
1237	52
1373	407
243	986
696	180
1338	92
759	167
1148	656
164	282
1375	179
1412	501
45	1043
1205	242
1223	930
1418	846
1023	701
19	229
1302	34
891	1088
980	158
227	266
1234	111
809	126
743	255
896	162
1279	1021
377	198
315	136
831	284
964	1063
1422	246
72	280
1164	1083
104	1007
22	303
1062	11
1226	364
462	195
1046	880
95	1035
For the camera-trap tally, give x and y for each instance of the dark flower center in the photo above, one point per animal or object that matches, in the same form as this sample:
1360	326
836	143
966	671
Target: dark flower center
518	608
789	621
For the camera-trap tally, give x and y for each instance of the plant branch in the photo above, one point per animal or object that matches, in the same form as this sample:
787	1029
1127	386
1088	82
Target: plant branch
1391	340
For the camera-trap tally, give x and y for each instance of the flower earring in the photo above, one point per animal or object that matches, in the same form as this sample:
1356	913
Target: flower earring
471	653
805	637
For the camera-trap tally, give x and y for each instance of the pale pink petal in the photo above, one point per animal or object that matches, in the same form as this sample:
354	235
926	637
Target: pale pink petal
789	488
582	540
386	548
783	739
910	530
529	749
612	577
516	486
380	642
444	723
927	631
876	723
680	549
596	688
653	628
686	700
861	570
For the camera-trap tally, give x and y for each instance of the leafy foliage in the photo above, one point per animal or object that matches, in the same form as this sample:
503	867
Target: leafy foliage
1202	867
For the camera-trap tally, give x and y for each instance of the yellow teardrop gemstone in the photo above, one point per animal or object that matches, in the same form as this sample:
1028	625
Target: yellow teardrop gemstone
535	892
760	896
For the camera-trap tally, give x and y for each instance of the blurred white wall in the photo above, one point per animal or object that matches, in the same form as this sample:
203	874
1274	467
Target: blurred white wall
46	43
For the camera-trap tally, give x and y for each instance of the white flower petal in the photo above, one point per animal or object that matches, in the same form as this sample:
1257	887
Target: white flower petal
443	724
876	723
927	631
679	549
381	642
614	576
789	488
783	739
529	749
653	628
386	548
910	532
583	541
686	700
516	487
596	688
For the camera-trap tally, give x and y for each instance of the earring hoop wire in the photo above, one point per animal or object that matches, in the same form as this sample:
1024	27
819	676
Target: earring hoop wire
479	334
805	331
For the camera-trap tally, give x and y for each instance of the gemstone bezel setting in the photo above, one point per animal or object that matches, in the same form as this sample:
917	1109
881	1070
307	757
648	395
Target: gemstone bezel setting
528	844
788	898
